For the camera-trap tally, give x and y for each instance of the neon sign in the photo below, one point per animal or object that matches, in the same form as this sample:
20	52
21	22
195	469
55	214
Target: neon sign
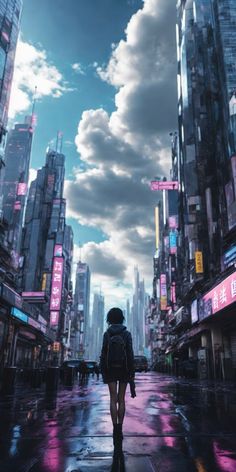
221	296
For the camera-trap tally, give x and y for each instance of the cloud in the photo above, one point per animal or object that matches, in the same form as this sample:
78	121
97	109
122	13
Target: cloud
33	68
125	150
78	68
32	175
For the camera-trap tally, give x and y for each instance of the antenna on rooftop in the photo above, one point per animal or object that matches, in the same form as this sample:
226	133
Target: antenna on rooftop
80	252
59	141
33	118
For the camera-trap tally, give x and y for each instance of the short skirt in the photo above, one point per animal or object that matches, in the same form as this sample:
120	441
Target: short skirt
115	375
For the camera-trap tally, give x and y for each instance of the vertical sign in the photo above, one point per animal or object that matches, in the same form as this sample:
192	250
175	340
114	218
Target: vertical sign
173	242
56	287
198	262
44	281
173	292
58	250
163	292
157	226
21	188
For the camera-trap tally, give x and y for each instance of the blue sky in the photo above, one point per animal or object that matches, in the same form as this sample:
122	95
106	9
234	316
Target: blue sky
76	31
106	77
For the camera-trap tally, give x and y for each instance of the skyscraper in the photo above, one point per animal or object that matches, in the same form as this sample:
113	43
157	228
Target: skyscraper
48	242
138	314
10	13
202	274
15	182
96	326
81	307
203	158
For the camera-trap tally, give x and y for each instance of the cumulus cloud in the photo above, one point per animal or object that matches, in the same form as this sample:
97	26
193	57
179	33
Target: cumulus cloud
78	68
32	175
33	69
125	150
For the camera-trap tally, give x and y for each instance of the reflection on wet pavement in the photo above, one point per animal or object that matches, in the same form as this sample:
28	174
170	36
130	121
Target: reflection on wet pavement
171	426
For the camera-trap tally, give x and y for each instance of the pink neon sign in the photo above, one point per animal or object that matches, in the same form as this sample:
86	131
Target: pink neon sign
221	296
17	205
163	292
173	222
58	250
33	294
22	188
54	318
164	185
173	292
57	274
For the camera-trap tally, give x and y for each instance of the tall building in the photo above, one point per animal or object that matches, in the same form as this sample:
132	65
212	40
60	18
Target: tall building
47	246
10	13
15	183
96	328
207	127
198	331
81	308
138	314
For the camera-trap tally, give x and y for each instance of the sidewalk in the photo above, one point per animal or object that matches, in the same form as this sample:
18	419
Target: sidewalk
217	385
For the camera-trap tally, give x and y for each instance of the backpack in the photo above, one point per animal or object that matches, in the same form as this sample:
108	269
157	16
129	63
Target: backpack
116	352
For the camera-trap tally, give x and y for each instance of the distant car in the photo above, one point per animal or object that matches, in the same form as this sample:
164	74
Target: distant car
140	364
71	363
91	365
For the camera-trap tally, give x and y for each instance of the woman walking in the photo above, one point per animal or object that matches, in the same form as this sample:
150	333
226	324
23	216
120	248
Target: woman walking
117	367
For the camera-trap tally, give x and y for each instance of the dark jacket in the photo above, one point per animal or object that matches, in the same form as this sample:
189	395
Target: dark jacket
113	330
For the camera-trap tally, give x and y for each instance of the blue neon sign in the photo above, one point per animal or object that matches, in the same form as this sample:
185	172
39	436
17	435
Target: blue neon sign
19	314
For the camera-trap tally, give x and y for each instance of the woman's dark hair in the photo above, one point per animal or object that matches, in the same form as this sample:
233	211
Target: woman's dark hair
115	316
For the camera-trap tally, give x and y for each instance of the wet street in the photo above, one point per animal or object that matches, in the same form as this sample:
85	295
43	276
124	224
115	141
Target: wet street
173	425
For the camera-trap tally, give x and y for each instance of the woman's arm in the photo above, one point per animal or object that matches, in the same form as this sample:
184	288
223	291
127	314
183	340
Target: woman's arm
103	357
130	355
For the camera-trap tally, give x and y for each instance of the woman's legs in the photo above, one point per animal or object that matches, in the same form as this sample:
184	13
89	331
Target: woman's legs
113	401
121	401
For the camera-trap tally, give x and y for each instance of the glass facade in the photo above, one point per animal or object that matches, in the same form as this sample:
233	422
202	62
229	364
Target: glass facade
15	181
10	12
45	227
206	50
81	304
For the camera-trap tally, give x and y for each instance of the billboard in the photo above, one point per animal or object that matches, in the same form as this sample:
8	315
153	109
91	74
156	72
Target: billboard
33	294
173	242
163	290
54	318
164	185
17	206
22	188
173	292
56	288
229	258
173	222
198	262
221	296
34	323
194	311
19	314
58	250
44	281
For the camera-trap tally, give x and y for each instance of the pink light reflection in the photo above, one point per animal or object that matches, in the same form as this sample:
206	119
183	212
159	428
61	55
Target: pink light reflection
52	458
223	459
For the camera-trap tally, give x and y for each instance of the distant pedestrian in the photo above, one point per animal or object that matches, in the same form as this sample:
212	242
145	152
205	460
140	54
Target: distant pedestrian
117	368
82	371
96	371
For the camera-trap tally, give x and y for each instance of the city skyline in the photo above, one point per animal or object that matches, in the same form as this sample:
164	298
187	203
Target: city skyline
93	84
